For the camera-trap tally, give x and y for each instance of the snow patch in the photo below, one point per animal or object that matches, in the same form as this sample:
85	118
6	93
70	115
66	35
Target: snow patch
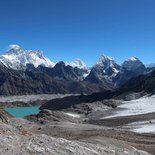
77	63
133	58
143	105
14	46
142	126
73	115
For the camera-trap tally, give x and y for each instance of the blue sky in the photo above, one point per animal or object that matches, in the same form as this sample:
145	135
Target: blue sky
85	29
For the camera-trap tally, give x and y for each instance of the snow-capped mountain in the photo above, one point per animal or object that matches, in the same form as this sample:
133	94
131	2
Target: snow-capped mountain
130	68
107	63
133	64
104	71
77	63
108	71
16	58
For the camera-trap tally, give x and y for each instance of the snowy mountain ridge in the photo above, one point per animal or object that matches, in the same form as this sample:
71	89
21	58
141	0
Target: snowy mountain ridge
131	64
16	57
77	63
107	62
106	74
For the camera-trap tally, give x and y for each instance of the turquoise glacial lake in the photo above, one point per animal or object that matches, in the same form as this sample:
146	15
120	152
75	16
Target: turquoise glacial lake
20	112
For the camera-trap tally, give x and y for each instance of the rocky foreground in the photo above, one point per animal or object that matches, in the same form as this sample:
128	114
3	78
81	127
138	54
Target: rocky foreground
21	137
78	125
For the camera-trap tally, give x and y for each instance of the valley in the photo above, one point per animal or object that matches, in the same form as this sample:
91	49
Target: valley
77	77
66	108
84	128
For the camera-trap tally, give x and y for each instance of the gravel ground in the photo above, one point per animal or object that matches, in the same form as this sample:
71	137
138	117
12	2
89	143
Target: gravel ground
19	137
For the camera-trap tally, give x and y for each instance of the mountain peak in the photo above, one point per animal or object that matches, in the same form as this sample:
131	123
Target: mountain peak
14	46
16	55
77	63
105	58
132	64
14	49
106	61
38	53
133	59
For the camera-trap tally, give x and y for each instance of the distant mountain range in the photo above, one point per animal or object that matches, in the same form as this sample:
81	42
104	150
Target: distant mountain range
30	72
16	57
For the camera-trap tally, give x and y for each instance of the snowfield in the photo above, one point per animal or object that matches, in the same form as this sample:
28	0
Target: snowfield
143	126
143	105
